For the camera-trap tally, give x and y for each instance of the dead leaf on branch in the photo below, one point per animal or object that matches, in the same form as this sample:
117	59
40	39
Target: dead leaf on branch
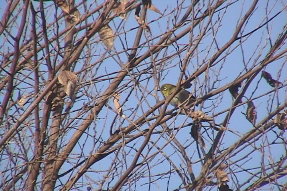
120	9
138	10
69	80
146	2
117	105
281	120
63	5
224	187
153	8
149	5
107	36
186	84
65	76
199	116
22	100
140	21
195	133
70	89
72	12
234	90
251	113
74	16
143	24
221	175
57	103
270	80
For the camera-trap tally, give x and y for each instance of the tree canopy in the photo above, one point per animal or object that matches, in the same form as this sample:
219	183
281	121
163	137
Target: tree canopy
81	106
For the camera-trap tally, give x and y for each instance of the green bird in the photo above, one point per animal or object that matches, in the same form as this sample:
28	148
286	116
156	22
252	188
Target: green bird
183	98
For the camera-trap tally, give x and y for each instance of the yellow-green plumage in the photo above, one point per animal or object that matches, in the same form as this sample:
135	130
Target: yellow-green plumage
183	97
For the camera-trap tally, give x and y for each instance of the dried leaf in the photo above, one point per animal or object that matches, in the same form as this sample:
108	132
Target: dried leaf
140	21
251	113
72	12
69	80
150	6
57	103
153	8
195	133
224	187
199	116
222	128
186	84
146	2
70	89
221	175
63	5
74	16
66	76
21	102
234	90
143	24
117	105
270	80
138	10
119	9
107	36
281	120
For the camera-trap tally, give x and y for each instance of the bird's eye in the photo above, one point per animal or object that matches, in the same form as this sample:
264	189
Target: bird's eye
164	88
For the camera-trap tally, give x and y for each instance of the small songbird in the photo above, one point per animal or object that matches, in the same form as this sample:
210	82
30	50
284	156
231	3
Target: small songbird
185	100
182	98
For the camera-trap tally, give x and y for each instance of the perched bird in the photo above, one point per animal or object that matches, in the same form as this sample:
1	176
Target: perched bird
185	100
182	98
